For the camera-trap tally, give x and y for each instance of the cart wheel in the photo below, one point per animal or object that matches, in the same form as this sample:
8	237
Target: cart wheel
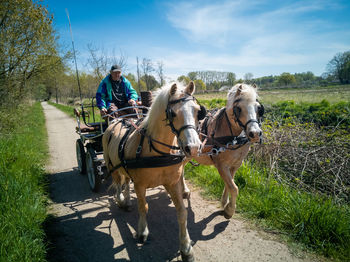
91	169
81	156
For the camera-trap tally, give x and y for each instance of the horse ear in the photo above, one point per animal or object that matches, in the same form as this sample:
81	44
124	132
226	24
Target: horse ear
255	86
239	90
190	88
173	89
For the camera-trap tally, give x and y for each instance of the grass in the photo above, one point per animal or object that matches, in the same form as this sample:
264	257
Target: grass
312	220
23	152
332	94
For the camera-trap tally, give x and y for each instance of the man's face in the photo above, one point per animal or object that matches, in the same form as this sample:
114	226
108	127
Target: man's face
116	75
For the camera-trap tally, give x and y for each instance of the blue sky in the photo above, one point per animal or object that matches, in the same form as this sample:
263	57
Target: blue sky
258	36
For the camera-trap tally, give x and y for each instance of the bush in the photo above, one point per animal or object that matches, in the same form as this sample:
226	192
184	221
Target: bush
322	114
306	157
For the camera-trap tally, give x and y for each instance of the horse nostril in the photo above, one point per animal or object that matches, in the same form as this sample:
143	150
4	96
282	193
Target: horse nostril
251	134
187	150
260	133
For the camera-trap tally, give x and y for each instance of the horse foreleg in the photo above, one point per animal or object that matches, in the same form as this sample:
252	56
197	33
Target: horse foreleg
224	197
185	241
118	181
230	186
127	194
142	230
186	193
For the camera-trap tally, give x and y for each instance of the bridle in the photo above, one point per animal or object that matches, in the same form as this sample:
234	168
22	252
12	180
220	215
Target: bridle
237	111
170	114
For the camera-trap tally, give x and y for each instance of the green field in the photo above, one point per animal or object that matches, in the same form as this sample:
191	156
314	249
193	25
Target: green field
331	94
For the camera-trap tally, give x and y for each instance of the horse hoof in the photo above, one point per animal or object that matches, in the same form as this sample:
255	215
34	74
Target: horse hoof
142	239
227	216
186	195
187	258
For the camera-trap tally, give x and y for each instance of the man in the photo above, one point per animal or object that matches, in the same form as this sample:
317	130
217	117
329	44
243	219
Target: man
115	92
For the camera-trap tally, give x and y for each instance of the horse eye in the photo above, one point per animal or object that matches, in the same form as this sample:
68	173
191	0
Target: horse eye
237	110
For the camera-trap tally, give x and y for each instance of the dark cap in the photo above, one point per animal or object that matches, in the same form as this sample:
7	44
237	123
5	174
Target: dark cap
116	68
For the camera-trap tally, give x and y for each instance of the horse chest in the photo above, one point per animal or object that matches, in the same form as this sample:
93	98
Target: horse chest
232	157
153	177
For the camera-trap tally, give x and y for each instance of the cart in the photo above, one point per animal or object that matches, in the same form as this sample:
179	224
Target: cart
89	151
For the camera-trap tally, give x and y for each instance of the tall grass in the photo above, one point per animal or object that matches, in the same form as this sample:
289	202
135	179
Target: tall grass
23	151
315	221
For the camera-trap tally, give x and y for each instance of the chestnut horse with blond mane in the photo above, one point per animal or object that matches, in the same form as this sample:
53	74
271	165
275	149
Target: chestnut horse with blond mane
228	135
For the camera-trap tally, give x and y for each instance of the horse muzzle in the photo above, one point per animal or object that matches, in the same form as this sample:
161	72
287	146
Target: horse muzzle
191	150
254	134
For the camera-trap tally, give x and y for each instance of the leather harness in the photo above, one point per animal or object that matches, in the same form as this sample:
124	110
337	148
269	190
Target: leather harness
165	159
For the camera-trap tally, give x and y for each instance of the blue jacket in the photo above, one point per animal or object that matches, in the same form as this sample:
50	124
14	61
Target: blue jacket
104	92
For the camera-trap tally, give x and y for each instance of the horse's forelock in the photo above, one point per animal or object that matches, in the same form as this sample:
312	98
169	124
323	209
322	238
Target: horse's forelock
247	92
160	101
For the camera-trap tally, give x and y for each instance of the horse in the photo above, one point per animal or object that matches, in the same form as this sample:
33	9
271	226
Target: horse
228	135
170	126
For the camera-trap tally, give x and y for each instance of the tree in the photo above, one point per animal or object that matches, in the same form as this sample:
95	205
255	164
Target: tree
286	79
339	67
192	75
184	79
147	68
231	78
199	84
248	76
101	62
28	47
160	73
150	81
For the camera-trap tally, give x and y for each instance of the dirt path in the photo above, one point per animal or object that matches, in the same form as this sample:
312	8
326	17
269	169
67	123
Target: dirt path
90	227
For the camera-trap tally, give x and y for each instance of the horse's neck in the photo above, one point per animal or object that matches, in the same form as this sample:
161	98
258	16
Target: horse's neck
226	125
161	132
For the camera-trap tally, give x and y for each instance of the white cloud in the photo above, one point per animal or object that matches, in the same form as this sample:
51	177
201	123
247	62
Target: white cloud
247	36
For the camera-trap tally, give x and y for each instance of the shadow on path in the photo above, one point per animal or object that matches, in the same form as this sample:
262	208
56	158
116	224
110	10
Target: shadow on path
79	235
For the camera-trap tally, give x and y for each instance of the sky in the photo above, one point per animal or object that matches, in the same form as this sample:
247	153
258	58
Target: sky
240	36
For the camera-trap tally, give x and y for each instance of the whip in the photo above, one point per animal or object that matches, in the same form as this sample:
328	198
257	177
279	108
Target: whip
75	59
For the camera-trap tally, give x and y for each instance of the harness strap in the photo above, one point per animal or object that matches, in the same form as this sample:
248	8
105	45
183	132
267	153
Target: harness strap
122	145
153	161
228	122
139	148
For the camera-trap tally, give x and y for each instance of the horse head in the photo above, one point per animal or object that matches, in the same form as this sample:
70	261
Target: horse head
182	115
245	110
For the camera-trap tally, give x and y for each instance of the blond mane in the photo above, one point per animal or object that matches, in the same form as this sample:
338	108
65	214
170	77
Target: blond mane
159	105
248	93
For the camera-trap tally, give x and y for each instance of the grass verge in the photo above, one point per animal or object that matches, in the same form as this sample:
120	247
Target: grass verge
23	152
312	220
68	109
